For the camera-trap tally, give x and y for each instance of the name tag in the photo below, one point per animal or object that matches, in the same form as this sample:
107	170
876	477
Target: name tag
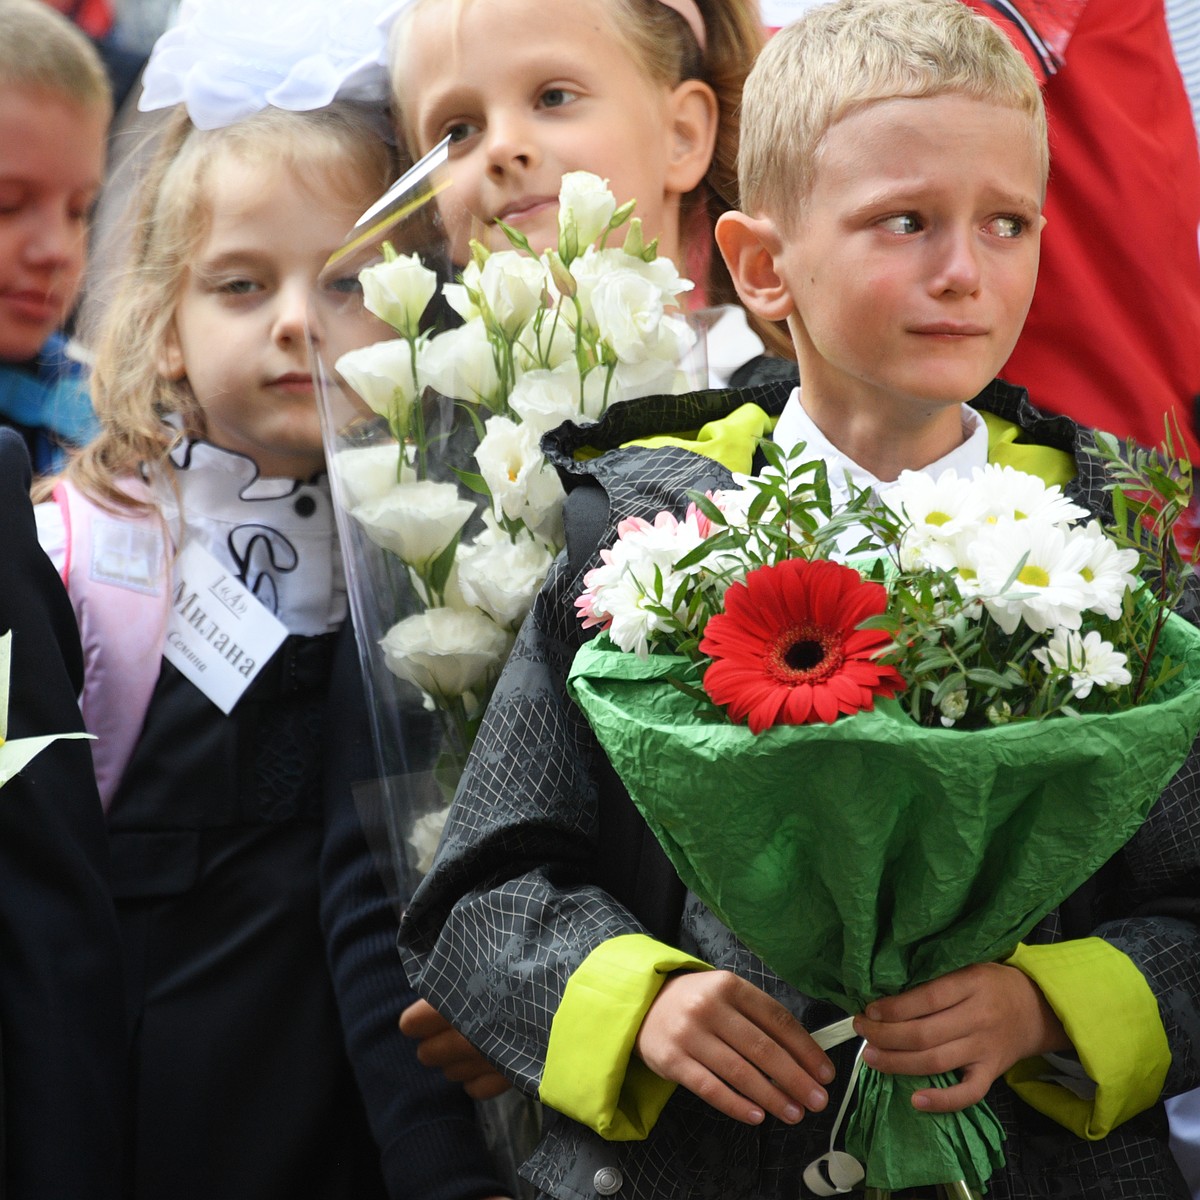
219	636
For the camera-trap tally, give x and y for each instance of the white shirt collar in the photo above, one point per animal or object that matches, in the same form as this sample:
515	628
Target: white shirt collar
795	425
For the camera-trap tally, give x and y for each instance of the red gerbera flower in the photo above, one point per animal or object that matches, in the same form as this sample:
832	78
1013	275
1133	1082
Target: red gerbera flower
786	650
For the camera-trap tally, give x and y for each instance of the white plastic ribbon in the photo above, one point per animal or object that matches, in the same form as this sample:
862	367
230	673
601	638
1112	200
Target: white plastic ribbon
835	1172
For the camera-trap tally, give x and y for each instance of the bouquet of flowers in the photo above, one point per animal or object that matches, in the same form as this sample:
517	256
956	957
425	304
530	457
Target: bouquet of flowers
911	659
449	515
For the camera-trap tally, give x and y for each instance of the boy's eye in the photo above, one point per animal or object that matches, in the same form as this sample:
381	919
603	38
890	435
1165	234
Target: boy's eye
556	97
1008	227
902	223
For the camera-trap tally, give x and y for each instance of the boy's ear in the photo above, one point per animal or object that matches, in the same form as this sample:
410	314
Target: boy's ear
170	356
692	130
750	246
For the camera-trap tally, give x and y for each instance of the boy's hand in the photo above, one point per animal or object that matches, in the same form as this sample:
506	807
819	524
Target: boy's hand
980	1021
443	1048
733	1046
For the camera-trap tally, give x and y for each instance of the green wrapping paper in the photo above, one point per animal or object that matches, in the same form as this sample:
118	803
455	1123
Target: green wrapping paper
861	858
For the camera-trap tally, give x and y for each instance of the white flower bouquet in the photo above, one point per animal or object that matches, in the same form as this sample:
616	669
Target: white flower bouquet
449	514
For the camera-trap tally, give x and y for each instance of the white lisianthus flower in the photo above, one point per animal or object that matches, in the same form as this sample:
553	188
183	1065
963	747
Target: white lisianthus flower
398	292
446	653
462	296
547	343
383	375
425	837
369	472
628	312
415	521
544	399
594	265
501	577
509	461
1088	659
511	285
460	363
1049	589
1007	492
1107	571
654	377
585	207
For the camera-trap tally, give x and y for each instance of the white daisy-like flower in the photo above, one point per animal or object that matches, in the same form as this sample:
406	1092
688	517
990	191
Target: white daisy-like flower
1107	571
1088	659
1007	492
938	510
638	575
1048	590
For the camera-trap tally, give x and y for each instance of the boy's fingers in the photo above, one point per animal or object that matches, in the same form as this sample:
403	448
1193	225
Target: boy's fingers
936	1060
973	1087
420	1019
766	1073
779	1028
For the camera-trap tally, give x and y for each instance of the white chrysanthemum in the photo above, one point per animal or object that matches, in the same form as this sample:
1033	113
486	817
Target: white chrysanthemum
943	514
1006	492
1107	571
1088	659
638	574
1047	591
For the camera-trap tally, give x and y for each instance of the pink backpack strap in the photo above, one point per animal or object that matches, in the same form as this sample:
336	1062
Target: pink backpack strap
117	575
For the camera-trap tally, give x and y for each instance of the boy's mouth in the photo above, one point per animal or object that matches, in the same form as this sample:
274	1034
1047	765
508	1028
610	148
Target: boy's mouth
952	329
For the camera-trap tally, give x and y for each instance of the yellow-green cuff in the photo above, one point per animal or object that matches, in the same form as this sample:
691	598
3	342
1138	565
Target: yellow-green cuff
592	1074
1121	1043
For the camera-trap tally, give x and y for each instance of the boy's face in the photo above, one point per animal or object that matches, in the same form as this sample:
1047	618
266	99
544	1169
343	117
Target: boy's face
51	162
913	263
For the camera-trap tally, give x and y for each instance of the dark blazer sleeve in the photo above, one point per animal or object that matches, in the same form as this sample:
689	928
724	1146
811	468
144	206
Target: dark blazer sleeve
62	1026
430	1141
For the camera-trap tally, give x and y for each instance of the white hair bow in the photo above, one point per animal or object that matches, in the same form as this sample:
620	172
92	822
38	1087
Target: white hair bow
227	59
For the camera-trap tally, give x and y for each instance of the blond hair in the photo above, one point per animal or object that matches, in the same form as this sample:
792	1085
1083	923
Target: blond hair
43	51
339	147
667	51
842	56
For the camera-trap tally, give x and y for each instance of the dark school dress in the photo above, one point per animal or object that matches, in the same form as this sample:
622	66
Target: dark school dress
240	1084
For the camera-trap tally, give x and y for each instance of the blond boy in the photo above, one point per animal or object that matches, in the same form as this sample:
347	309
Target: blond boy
893	169
55	107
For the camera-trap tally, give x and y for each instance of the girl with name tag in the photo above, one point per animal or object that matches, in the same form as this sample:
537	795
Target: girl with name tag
196	536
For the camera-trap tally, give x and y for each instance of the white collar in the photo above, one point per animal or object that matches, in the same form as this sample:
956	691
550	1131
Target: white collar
276	535
795	425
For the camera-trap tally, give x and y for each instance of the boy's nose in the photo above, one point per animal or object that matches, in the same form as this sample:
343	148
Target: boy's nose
956	267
